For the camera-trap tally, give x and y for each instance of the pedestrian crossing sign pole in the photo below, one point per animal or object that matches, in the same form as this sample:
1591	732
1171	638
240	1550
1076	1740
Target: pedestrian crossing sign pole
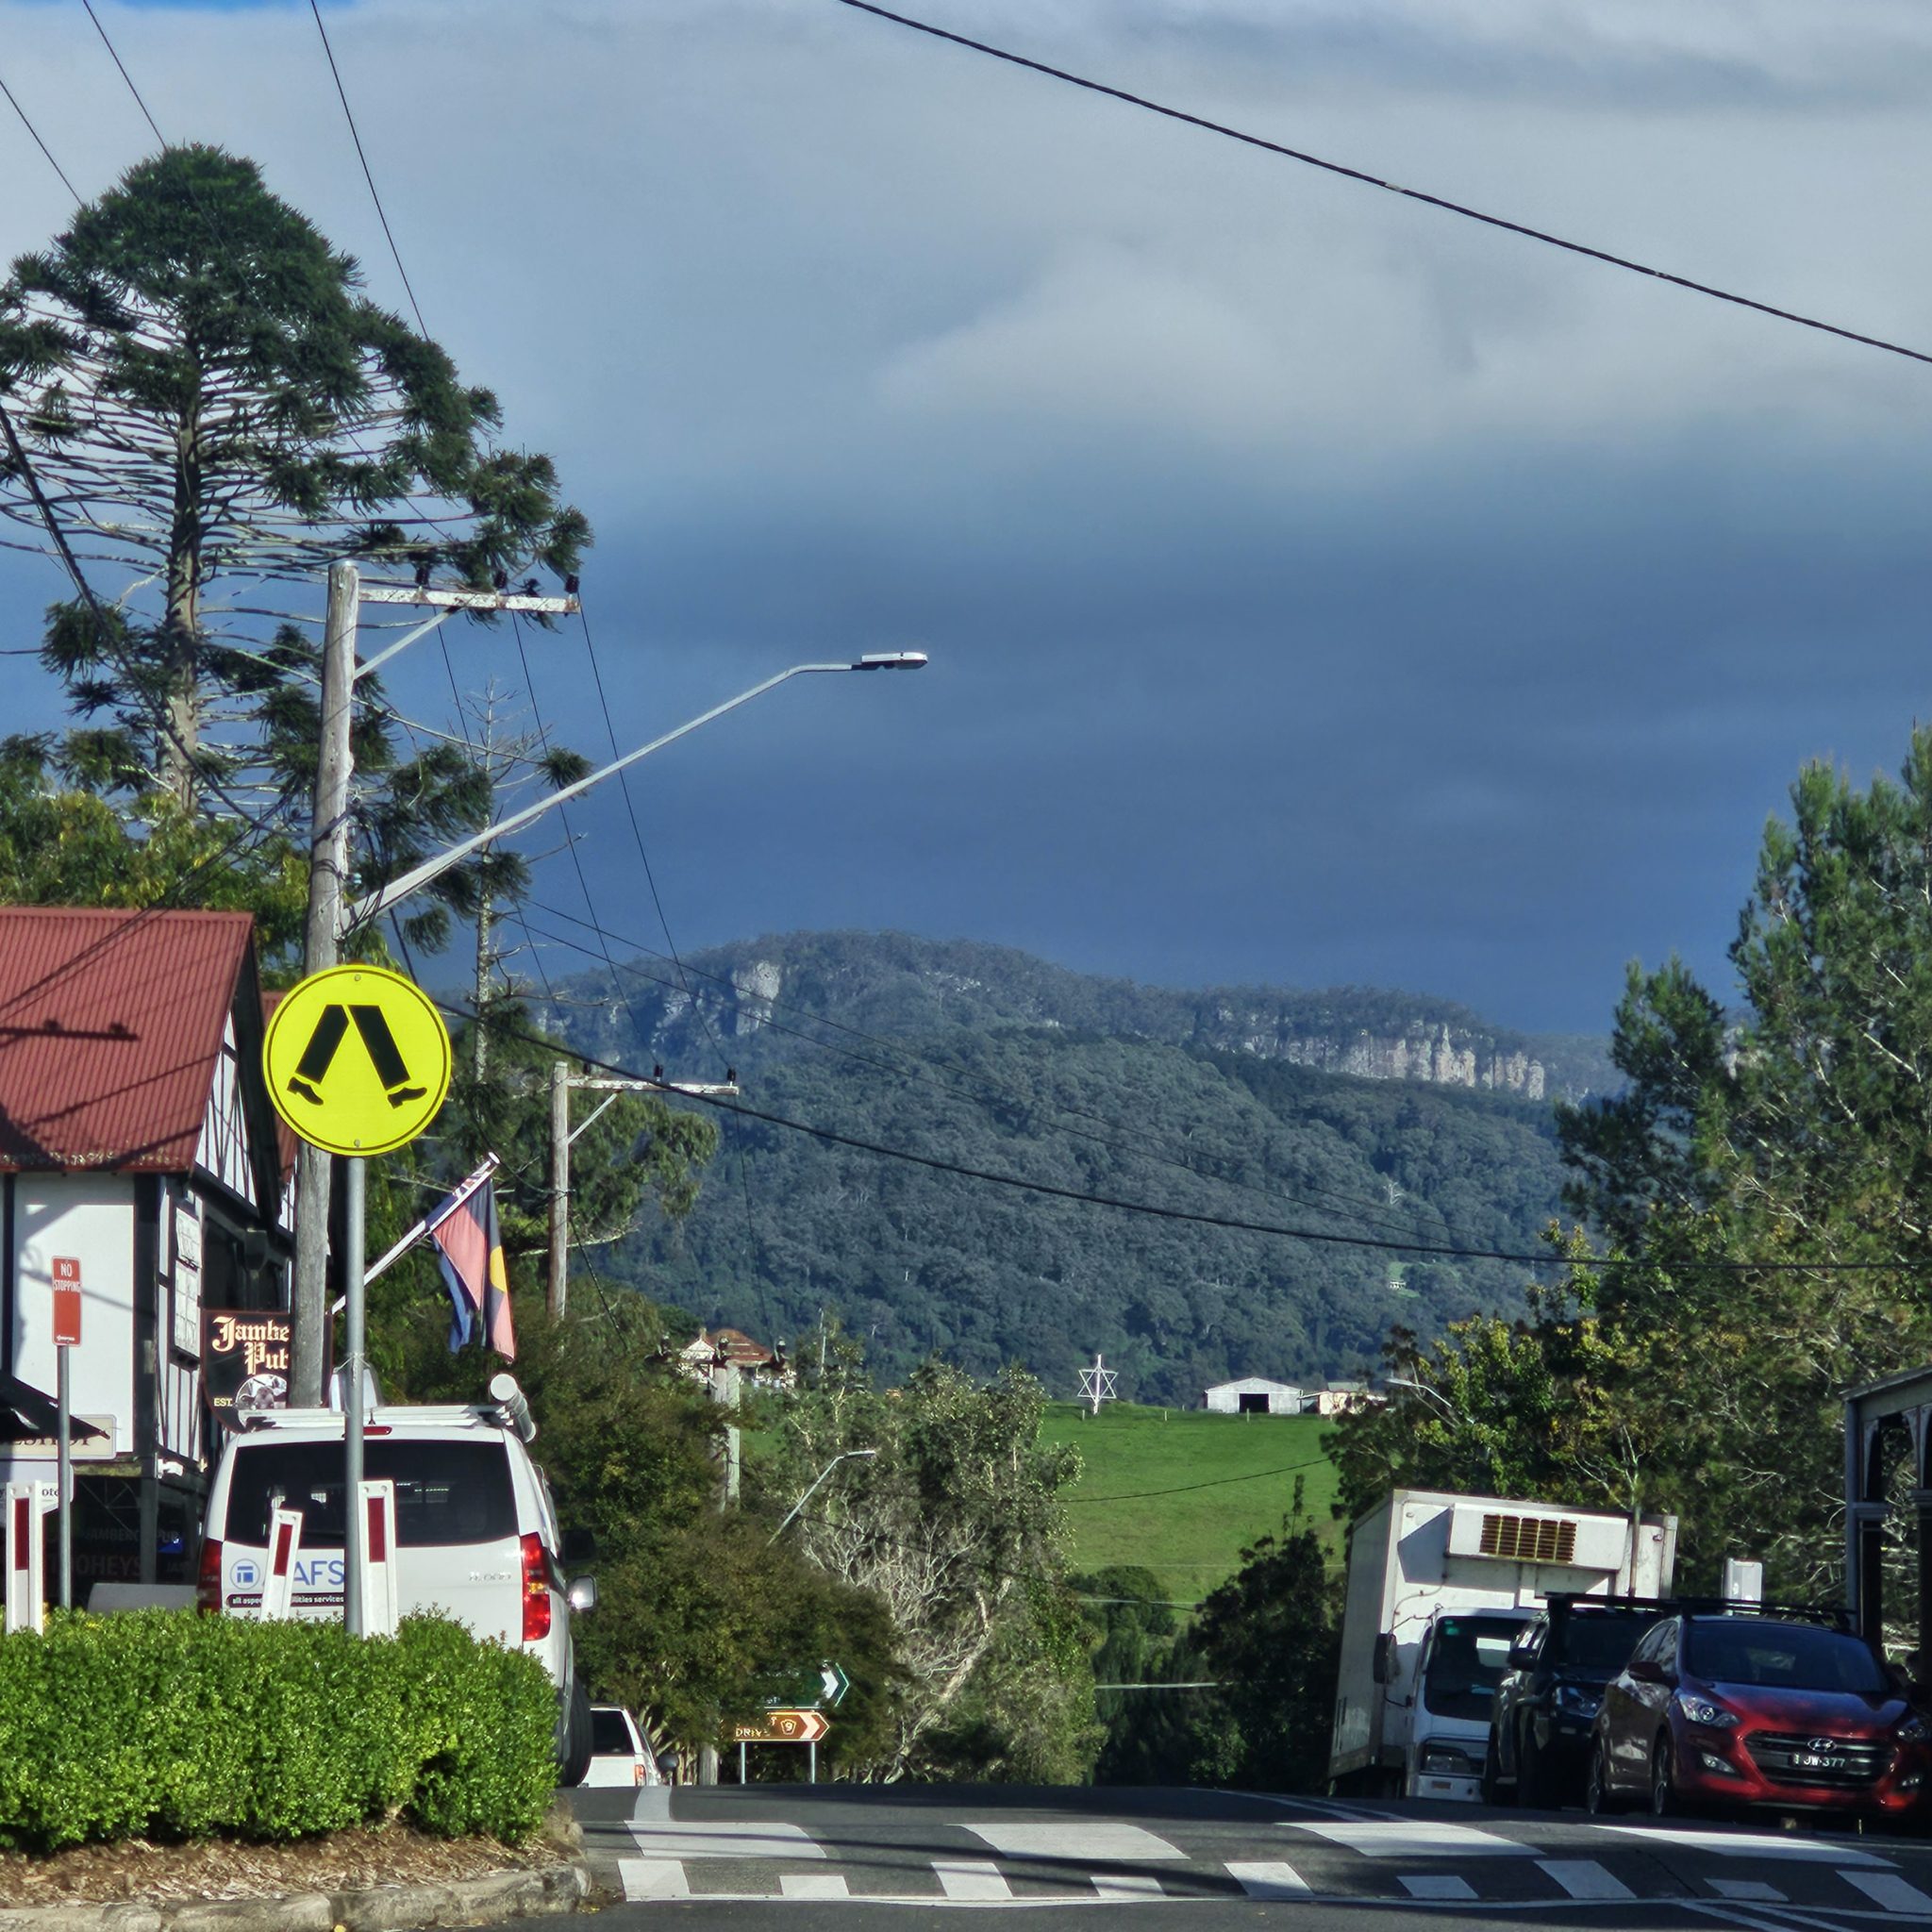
358	1061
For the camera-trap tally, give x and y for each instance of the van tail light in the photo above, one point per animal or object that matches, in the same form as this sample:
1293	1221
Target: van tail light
536	1589
637	1772
208	1581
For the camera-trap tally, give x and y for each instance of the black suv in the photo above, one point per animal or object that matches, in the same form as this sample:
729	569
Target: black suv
1540	1720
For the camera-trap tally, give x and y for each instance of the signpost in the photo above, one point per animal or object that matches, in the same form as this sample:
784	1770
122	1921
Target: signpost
358	1060
66	1336
804	1726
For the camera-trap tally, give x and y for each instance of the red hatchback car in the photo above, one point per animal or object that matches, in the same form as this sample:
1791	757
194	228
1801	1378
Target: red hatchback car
1724	1711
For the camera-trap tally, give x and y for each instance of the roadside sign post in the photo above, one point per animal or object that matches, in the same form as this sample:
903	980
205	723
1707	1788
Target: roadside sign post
358	1060
66	1337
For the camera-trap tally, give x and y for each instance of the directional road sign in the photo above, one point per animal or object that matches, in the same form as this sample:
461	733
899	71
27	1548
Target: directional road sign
822	1687
357	1060
784	1727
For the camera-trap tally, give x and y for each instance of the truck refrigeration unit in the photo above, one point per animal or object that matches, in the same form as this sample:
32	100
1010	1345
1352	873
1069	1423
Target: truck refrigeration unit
1438	1588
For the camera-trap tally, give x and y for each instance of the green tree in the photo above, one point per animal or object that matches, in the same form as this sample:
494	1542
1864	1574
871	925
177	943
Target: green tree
955	1524
696	1613
1271	1635
1763	1178
212	402
61	843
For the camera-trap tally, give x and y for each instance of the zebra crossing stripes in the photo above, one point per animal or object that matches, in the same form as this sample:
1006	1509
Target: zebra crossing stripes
1436	1885
1746	1892
1887	1889
1584	1878
815	1884
1268	1878
971	1879
649	1878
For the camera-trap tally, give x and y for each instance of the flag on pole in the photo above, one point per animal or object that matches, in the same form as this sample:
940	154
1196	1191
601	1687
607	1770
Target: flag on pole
471	1249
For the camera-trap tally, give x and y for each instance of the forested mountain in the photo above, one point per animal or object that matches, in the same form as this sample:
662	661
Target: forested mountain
1204	1102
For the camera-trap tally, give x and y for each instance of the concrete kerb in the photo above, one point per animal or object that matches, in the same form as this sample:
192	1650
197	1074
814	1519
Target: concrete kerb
488	1901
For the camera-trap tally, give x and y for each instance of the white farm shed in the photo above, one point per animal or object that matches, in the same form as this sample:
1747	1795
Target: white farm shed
1253	1395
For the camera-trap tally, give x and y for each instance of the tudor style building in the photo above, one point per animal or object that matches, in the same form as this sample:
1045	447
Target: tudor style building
137	1140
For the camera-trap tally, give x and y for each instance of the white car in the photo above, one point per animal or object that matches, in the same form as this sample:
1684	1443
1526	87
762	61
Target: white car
618	1754
476	1532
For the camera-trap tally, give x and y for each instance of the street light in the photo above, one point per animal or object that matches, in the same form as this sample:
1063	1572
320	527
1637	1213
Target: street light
844	1455
373	905
1435	1396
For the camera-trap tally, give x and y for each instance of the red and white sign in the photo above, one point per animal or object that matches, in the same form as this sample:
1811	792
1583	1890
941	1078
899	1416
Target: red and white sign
66	1302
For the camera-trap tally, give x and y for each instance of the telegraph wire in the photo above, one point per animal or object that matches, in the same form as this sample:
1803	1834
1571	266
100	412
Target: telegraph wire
354	135
1369	180
1155	1210
115	56
754	1251
1187	1488
12	102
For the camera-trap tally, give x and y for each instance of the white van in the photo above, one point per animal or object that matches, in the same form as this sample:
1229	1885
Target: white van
476	1532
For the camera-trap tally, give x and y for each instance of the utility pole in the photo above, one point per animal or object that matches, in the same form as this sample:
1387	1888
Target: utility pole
328	848
562	1134
329	914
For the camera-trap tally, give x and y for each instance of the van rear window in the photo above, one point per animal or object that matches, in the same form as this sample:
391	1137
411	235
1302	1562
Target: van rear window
446	1492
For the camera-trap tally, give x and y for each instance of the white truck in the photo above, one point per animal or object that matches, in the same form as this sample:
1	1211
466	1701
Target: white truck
1438	1587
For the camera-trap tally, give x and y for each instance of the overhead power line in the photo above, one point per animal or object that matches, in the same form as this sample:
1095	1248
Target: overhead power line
12	102
1187	1488
1155	1210
1369	180
114	56
354	135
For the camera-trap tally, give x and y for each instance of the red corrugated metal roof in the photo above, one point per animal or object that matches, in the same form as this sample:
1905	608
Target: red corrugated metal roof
110	1024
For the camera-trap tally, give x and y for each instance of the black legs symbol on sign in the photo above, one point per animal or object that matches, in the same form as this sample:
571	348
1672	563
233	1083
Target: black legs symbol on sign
378	1041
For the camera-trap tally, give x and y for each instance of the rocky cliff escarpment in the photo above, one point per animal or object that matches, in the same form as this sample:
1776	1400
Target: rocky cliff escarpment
765	999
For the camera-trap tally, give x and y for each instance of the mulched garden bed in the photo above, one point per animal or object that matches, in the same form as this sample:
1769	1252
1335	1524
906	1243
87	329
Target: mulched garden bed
221	1868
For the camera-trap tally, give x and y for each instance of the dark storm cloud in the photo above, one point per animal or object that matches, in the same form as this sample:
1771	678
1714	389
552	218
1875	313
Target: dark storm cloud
1319	591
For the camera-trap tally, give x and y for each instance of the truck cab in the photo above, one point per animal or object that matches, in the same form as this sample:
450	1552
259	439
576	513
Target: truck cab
1463	1659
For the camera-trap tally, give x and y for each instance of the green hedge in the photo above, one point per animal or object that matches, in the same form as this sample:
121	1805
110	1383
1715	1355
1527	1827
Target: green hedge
167	1722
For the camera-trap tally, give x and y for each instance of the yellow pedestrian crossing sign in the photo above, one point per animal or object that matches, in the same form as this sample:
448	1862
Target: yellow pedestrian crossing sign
357	1060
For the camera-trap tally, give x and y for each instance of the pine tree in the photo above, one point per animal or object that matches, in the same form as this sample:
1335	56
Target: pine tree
211	404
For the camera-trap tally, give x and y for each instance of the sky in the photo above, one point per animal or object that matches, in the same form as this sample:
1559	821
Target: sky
1319	590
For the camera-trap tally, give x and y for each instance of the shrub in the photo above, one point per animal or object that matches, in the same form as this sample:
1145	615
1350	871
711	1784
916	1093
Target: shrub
167	1722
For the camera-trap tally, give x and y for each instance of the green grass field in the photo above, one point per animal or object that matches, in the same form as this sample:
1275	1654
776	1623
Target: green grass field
1181	1491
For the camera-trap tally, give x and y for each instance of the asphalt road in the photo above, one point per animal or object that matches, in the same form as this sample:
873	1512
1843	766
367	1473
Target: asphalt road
811	1861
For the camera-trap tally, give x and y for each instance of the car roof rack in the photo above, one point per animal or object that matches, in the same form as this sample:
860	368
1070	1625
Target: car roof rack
1834	1614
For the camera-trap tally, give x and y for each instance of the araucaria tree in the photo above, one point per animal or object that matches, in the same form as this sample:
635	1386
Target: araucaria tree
210	403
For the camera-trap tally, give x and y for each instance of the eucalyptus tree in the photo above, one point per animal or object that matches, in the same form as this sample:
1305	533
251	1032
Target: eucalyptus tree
213	410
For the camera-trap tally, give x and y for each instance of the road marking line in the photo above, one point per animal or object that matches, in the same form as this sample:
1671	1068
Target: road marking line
971	1879
1746	1892
1585	1878
813	1885
1403	1838
1085	1840
652	1878
1887	1890
701	1838
1435	1885
1750	1844
1267	1878
1125	1885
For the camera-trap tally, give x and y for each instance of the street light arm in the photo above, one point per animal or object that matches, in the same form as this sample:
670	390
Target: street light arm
373	905
792	1514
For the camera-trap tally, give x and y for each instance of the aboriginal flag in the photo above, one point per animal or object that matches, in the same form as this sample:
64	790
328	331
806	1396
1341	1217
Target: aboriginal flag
464	1231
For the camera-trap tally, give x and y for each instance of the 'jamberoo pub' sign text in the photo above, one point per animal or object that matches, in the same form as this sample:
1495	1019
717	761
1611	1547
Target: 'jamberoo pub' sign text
244	1359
